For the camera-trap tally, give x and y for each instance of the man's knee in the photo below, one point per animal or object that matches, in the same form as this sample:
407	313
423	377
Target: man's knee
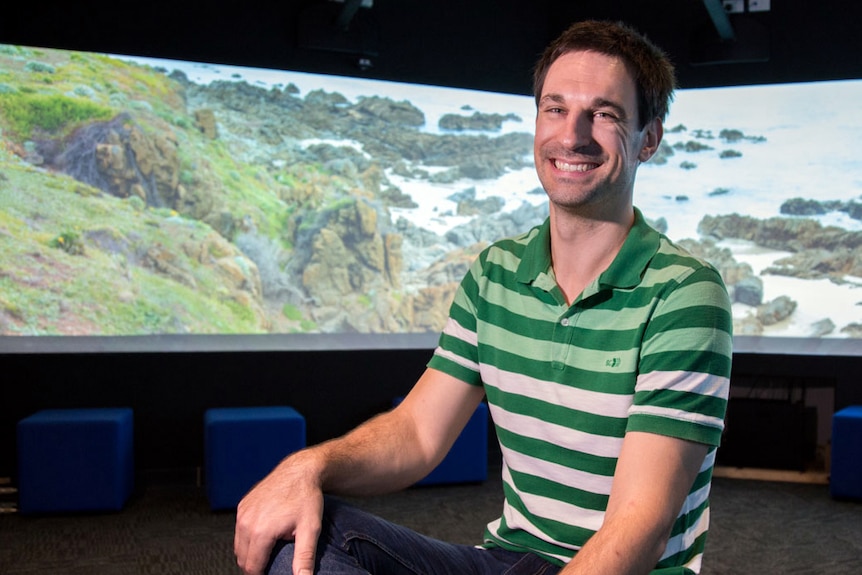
339	518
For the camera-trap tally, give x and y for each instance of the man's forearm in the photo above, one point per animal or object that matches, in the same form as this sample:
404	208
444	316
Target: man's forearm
653	476
399	447
621	549
379	456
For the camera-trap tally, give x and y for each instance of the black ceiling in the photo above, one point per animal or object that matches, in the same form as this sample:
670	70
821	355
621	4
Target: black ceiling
480	44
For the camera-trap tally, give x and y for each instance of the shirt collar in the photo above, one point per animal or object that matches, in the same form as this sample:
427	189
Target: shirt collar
625	271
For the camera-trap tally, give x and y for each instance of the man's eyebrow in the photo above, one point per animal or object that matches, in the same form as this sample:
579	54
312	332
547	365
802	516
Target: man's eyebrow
552	97
618	109
596	104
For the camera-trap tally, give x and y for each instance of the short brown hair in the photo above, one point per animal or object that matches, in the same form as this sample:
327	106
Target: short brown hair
651	68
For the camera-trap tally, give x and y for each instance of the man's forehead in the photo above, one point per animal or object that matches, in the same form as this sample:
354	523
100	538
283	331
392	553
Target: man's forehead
591	59
586	69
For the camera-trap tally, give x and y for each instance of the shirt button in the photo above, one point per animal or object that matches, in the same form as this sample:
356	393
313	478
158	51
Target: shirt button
564	321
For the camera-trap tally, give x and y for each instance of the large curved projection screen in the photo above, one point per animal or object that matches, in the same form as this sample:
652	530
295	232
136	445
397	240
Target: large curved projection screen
160	205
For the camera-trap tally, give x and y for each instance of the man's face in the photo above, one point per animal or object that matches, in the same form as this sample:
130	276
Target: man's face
587	145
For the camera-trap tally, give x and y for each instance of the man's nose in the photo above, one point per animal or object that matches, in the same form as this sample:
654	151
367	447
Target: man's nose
578	131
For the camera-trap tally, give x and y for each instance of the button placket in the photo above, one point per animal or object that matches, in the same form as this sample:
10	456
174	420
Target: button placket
563	335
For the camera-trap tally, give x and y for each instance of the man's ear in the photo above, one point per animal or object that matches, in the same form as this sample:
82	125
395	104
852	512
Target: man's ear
653	133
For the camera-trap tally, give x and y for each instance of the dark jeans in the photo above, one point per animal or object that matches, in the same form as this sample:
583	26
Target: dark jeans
354	542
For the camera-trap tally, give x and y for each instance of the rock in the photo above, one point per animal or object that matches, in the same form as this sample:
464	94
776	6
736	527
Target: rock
325	277
451	268
810	207
748	291
786	234
329	154
241	274
733	273
819	263
692	146
485	207
398	113
160	259
478	121
664	152
659	224
392	246
206	122
394	197
822	328
802	207
429	307
776	310
504	225
121	159
345	252
853	209
747	326
731	135
734	135
852	329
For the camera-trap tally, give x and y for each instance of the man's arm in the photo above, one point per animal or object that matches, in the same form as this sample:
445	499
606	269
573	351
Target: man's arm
389	452
653	477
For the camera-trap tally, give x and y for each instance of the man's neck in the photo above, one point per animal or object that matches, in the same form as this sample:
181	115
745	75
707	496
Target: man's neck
582	248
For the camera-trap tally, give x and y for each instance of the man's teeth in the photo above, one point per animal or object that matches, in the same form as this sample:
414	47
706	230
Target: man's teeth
567	167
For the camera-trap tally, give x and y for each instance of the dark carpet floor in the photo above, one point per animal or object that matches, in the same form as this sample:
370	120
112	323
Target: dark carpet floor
167	528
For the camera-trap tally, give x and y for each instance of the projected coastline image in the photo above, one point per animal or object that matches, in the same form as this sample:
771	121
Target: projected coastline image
143	197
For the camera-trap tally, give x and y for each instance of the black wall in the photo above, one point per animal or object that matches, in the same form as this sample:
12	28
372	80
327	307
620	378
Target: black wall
334	390
170	392
479	44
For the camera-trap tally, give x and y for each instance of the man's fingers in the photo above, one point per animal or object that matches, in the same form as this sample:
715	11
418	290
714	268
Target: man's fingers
304	547
240	547
252	555
285	505
257	555
252	546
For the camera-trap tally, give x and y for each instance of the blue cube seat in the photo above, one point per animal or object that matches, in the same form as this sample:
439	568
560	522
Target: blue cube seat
845	477
243	444
72	460
467	461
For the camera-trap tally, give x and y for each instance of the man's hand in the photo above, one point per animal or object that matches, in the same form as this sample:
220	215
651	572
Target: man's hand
287	504
388	452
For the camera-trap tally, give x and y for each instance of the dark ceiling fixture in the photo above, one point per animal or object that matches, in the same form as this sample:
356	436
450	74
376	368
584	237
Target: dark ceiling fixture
738	34
346	27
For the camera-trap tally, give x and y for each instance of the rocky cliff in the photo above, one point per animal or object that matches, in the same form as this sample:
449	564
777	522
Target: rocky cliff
267	209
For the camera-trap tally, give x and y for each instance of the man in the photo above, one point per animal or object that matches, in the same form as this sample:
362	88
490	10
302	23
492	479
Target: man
603	349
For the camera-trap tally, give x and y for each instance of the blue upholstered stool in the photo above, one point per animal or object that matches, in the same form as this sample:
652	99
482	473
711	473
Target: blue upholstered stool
243	444
845	478
75	460
467	461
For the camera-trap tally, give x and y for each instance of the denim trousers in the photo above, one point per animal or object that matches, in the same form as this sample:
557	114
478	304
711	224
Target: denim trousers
355	542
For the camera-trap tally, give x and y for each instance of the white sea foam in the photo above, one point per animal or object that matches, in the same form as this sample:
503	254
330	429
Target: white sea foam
816	299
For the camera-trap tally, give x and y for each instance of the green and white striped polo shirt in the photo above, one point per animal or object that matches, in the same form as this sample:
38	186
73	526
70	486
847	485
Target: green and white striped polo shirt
646	347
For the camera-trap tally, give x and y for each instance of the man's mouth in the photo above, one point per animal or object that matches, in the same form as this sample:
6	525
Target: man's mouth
574	166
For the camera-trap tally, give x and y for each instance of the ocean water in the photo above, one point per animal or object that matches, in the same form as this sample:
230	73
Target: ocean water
812	135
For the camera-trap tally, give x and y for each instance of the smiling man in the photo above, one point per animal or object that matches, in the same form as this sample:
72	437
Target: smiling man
603	350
